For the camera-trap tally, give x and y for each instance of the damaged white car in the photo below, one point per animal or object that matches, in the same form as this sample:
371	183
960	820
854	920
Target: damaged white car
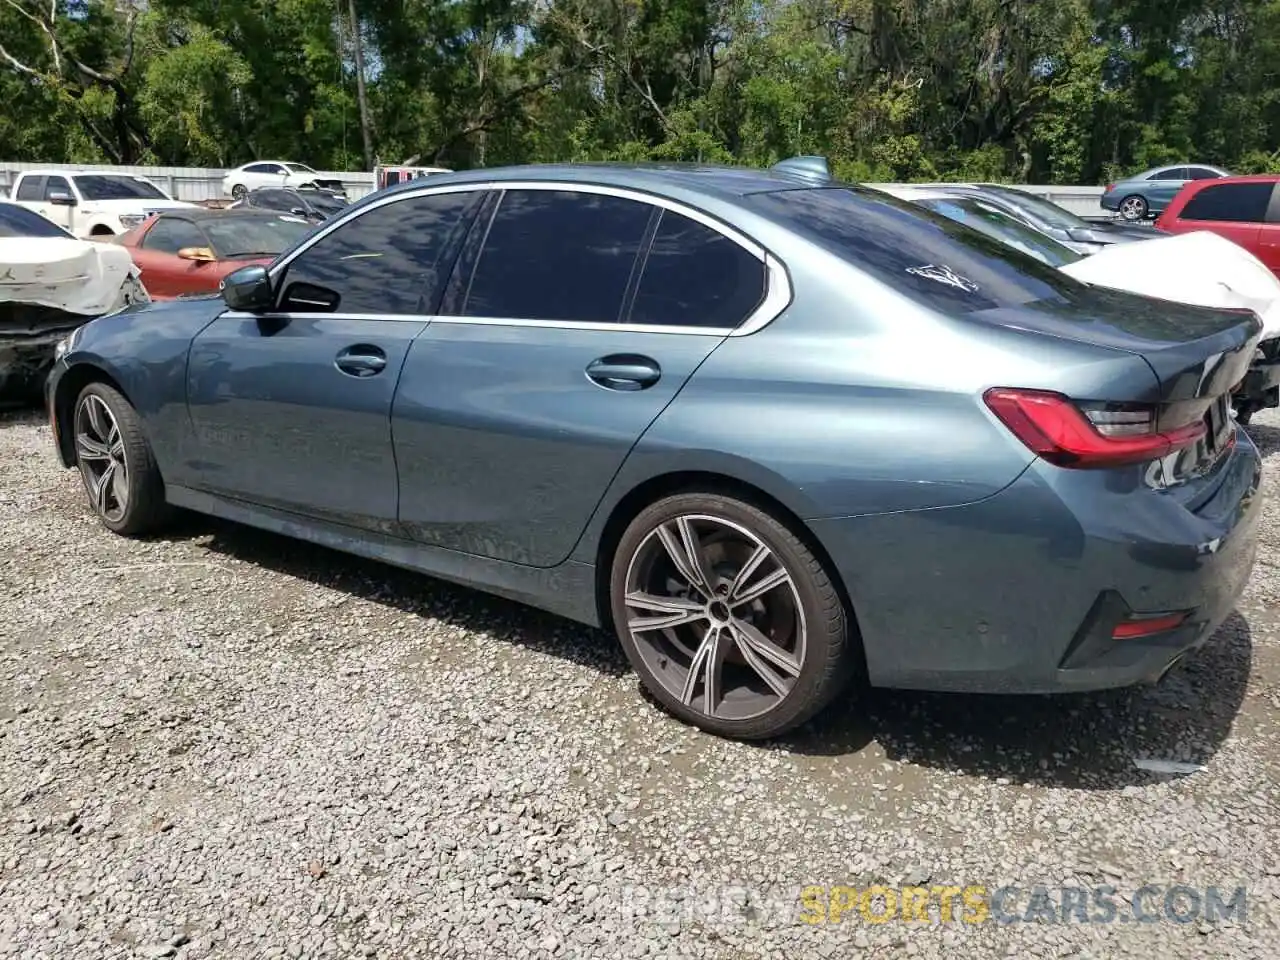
50	284
1200	268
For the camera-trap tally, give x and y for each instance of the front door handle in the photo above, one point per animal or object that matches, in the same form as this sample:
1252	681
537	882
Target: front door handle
361	360
624	371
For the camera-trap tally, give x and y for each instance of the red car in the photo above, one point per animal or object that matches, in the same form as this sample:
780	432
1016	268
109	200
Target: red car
184	252
1243	209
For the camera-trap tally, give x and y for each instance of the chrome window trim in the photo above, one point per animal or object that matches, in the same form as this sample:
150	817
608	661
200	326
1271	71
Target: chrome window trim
486	322
777	298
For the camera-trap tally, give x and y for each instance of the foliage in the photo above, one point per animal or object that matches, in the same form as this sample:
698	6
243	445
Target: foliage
1075	91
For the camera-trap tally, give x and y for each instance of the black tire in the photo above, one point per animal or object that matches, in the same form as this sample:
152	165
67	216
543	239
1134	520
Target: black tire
821	627
1134	208
137	505
239	191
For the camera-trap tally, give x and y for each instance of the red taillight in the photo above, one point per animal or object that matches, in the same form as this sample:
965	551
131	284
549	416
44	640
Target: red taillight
1110	187
1145	626
1060	432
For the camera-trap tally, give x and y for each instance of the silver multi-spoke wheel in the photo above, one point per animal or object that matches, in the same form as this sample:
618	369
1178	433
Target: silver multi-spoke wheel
1133	208
716	617
100	450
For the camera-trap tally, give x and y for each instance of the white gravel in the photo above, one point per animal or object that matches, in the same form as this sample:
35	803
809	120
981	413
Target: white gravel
227	744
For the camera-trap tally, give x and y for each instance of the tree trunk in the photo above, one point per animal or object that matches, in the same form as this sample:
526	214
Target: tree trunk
361	100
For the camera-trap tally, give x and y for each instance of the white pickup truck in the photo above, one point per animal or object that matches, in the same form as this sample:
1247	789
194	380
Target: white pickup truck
91	203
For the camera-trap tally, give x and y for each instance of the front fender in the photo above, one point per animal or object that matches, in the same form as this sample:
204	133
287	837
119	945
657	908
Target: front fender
142	350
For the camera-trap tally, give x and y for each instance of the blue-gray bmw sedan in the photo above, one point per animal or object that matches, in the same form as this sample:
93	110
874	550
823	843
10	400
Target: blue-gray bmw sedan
772	430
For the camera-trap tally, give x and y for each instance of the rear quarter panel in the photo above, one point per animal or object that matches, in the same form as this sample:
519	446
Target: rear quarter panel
856	402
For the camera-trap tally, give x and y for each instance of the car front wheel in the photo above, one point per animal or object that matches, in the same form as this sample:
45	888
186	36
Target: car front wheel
116	463
729	619
239	191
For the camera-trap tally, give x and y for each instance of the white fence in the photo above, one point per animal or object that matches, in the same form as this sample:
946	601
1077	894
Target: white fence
203	183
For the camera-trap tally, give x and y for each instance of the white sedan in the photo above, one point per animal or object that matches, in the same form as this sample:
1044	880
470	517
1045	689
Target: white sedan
275	173
51	283
1200	268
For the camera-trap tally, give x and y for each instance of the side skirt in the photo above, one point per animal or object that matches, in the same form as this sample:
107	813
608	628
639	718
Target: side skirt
567	590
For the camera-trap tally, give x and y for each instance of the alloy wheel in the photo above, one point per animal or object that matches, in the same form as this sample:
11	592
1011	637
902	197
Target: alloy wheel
716	616
1133	208
101	453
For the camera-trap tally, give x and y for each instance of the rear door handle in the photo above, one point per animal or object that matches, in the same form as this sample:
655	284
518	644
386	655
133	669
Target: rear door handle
361	360
624	371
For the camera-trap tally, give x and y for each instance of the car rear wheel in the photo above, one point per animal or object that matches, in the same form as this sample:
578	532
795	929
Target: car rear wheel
239	191
729	619
1133	208
116	463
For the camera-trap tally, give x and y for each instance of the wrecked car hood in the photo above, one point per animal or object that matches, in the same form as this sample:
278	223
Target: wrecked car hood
75	276
1200	268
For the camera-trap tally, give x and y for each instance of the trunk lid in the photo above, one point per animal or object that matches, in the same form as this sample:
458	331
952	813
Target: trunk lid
1194	352
1197	356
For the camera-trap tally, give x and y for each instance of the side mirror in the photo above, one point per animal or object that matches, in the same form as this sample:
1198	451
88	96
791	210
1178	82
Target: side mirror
298	212
248	288
198	254
60	198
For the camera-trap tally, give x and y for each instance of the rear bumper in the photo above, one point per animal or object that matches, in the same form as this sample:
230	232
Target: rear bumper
1019	593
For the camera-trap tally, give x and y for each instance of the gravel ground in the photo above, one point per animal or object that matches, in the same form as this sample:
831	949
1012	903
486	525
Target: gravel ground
227	744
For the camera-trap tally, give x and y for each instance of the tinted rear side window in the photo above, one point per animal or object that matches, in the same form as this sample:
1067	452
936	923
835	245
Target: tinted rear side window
393	259
696	277
936	261
31	188
1235	202
558	255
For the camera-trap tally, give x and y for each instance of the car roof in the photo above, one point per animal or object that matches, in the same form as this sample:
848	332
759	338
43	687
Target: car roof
1173	166
202	214
1245	178
82	173
726	182
914	191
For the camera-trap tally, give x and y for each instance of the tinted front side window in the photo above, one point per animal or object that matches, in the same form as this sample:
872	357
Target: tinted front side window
392	259
558	255
696	277
1235	202
1177	173
56	185
169	235
934	260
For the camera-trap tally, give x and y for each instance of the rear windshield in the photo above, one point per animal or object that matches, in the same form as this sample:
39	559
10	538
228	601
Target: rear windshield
936	261
16	221
1045	210
107	187
1001	226
326	203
